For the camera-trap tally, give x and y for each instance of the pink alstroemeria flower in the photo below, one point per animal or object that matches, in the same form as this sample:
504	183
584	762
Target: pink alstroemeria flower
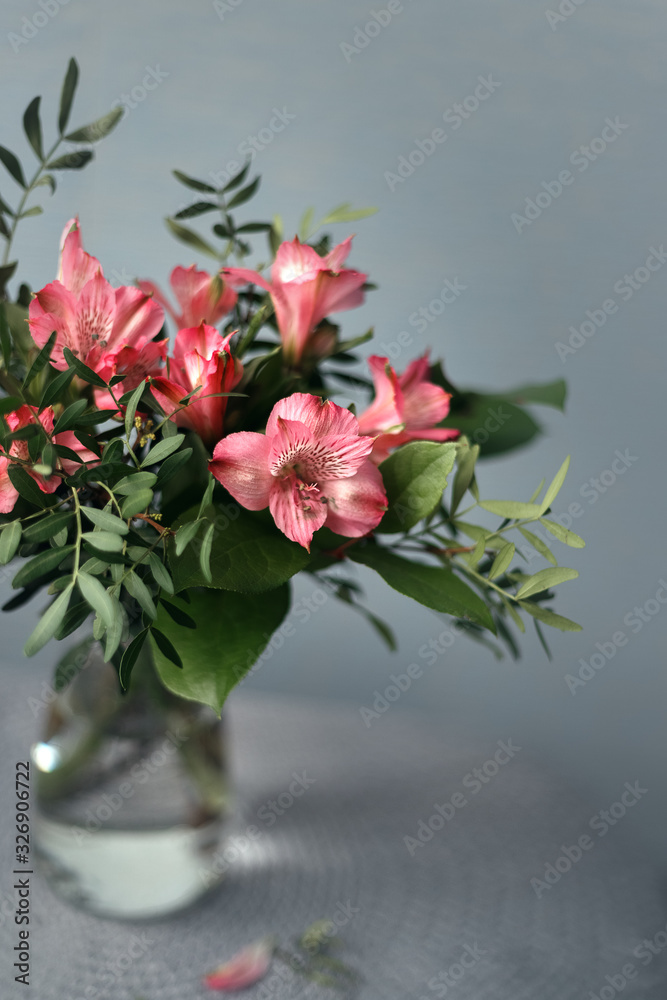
310	468
19	449
202	298
135	365
243	970
201	358
304	289
406	407
89	316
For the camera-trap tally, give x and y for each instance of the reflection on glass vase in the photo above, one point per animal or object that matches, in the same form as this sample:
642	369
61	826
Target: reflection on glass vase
131	793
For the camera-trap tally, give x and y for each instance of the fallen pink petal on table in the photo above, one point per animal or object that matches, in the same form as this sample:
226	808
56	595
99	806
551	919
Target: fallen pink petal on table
247	967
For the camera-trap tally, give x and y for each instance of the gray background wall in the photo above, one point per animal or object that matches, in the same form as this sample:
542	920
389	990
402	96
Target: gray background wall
225	68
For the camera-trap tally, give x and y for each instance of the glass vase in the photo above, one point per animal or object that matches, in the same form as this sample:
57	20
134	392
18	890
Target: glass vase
131	793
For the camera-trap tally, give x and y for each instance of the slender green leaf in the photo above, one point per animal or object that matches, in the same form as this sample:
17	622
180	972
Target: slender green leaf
191	182
514	510
137	503
71	663
56	389
171	466
131	410
184	535
208	496
545	579
28	488
98	129
135	482
97	597
465	472
539	546
237	179
48	526
179	616
541	637
75	160
67	94
166	647
198	208
554	488
205	553
106	520
83	371
344	213
32	127
129	659
103	541
160	573
245	194
49	623
191	238
40	361
73	620
13	166
8	404
40	565
254	227
69	418
502	561
46	180
160	451
138	589
563	534
10	539
549	617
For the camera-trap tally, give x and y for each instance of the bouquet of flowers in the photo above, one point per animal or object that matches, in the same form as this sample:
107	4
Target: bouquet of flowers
172	488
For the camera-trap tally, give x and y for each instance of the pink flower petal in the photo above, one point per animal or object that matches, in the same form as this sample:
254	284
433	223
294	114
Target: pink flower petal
298	512
386	409
202	297
320	415
76	266
356	505
238	277
138	319
241	463
204	339
8	493
296	262
244	969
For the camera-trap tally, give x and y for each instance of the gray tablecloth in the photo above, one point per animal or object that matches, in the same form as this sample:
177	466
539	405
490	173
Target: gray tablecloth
410	913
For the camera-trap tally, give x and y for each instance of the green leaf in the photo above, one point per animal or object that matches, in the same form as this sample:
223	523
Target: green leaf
465	472
33	127
129	659
98	129
254	227
70	416
237	179
8	404
554	488
208	496
232	631
40	361
502	561
28	488
136	587
514	510
191	238
549	617
135	482
344	213
495	425
539	546
167	648
137	503
73	620
103	541
431	586
10	539
6	272
106	520
545	579
11	163
548	394
131	409
179	616
56	389
46	180
71	161
192	183
198	208
348	345
160	573
67	94
98	598
48	526
40	565
49	623
205	554
5	340
184	536
248	554
415	477
83	371
163	449
245	194
562	534
71	663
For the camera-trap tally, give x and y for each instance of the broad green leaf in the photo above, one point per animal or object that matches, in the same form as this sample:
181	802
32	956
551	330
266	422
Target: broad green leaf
191	238
10	539
563	534
514	510
12	165
138	589
549	617
548	394
48	526
104	541
131	408
106	520
137	503
415	477
71	161
8	404
98	129
40	361
232	632
97	597
546	578
554	488
248	554
135	482
40	565
496	426
48	624
539	546
191	182
431	586
83	371
130	657
502	561
163	449
67	94
33	127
